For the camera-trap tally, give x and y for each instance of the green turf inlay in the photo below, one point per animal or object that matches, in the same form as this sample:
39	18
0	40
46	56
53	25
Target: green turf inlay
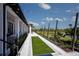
39	47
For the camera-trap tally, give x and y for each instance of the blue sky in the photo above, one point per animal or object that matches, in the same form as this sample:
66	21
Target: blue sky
40	14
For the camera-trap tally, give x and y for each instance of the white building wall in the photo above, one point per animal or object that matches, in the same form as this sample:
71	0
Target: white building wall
1	28
17	20
30	30
25	28
6	50
19	25
16	26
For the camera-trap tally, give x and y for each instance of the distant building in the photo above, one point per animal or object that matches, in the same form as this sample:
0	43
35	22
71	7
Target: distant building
12	25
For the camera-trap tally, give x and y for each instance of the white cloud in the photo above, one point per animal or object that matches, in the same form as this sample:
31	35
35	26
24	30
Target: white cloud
64	19
42	22
49	19
73	18
68	10
60	20
45	6
34	23
76	10
77	7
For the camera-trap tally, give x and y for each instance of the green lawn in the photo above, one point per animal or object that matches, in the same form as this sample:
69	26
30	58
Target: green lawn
39	47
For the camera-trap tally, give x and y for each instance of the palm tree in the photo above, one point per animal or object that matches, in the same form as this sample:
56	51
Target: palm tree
56	29
48	30
70	25
49	20
75	32
43	25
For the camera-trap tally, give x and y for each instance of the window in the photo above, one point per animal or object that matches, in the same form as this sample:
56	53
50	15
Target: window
10	28
10	32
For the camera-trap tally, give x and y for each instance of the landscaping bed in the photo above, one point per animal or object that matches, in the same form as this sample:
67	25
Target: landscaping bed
39	47
63	42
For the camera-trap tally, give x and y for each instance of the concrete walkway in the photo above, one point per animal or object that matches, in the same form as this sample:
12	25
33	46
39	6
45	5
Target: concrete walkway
26	49
58	50
73	53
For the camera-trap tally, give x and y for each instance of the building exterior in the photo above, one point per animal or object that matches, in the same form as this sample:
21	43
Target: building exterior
12	25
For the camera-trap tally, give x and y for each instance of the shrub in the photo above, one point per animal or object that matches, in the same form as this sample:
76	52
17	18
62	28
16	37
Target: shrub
20	40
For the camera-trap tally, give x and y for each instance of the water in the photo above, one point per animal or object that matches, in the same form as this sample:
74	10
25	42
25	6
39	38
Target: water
46	55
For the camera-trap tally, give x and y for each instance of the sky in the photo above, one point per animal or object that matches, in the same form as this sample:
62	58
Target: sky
40	14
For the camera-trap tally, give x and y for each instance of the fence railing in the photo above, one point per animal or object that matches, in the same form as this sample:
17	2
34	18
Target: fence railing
11	47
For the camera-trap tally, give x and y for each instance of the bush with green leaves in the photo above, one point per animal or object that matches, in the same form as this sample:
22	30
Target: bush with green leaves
20	40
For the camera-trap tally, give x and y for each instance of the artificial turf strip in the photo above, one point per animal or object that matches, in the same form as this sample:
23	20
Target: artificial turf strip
39	47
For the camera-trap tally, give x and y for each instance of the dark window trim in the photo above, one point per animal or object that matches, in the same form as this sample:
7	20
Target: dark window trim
4	14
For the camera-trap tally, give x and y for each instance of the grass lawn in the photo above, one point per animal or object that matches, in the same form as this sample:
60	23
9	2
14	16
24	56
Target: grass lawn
39	47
